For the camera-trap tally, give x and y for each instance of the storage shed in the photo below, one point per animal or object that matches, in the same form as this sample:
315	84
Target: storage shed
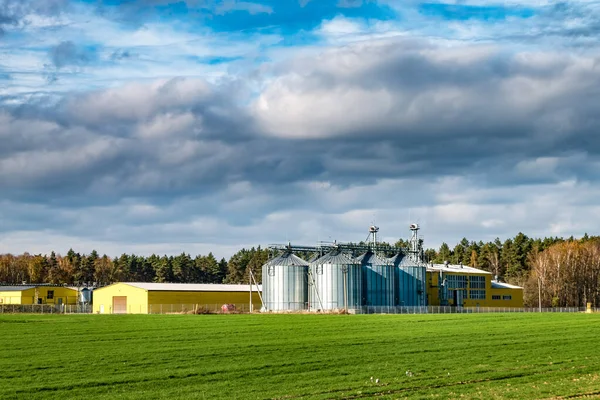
161	298
37	294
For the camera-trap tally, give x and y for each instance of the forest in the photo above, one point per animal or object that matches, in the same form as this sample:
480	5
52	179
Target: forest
567	271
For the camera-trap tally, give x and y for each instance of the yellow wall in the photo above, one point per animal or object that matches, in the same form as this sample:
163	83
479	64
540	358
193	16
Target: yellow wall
28	296
211	299
434	300
137	299
140	301
516	298
432	289
10	297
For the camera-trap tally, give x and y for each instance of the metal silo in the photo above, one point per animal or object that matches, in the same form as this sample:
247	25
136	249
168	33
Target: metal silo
85	296
335	282
378	280
285	284
410	281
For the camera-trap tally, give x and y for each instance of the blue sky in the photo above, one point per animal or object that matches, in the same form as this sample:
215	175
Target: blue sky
204	125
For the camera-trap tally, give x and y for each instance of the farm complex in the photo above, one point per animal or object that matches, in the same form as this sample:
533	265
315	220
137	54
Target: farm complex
330	277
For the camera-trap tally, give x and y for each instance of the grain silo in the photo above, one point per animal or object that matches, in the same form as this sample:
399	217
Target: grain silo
285	283
335	282
410	281
378	280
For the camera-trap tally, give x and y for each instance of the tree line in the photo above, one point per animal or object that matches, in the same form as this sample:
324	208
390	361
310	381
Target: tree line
87	269
565	271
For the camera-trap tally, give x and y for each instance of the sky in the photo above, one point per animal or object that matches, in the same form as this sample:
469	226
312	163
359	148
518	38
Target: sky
160	126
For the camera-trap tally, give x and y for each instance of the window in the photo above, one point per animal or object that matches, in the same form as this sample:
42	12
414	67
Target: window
50	294
477	282
456	281
496	297
507	297
477	294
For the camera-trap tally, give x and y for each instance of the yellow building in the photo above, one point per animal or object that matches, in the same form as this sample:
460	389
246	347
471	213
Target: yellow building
38	294
460	285
153	298
505	295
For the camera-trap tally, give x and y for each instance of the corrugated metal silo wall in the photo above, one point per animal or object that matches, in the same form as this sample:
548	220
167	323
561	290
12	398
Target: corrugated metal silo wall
285	287
379	285
329	286
410	282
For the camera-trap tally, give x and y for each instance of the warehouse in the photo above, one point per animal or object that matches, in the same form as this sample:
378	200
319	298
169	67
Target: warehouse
460	285
38	294
153	298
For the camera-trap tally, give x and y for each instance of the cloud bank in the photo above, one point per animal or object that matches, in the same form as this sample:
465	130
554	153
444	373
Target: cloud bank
197	138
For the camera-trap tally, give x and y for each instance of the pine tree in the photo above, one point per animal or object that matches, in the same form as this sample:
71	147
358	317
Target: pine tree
444	254
164	272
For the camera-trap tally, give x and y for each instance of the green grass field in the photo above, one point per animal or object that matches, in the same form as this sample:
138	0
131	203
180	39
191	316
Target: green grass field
513	356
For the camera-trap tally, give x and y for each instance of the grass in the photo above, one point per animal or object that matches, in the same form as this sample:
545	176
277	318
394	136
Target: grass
482	356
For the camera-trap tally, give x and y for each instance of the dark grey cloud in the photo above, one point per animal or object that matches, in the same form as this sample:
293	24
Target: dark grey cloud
322	134
68	53
399	111
119	55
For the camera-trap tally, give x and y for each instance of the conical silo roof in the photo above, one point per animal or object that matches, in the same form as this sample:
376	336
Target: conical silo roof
335	257
288	260
314	257
401	260
397	258
371	258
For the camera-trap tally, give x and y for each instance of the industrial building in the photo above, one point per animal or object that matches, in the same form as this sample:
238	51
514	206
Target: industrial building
148	298
38	294
359	277
460	285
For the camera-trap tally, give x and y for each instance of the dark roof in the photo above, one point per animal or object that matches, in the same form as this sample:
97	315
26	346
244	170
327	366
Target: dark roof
15	288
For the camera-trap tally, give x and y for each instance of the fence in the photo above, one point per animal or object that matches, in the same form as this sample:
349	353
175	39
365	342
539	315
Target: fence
45	308
200	308
461	310
245	308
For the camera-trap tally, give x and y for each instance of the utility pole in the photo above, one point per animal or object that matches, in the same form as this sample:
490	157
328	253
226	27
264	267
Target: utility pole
540	293
250	282
262	302
345	271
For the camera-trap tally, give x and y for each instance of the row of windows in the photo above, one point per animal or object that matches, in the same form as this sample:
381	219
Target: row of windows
498	297
461	281
456	281
477	294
